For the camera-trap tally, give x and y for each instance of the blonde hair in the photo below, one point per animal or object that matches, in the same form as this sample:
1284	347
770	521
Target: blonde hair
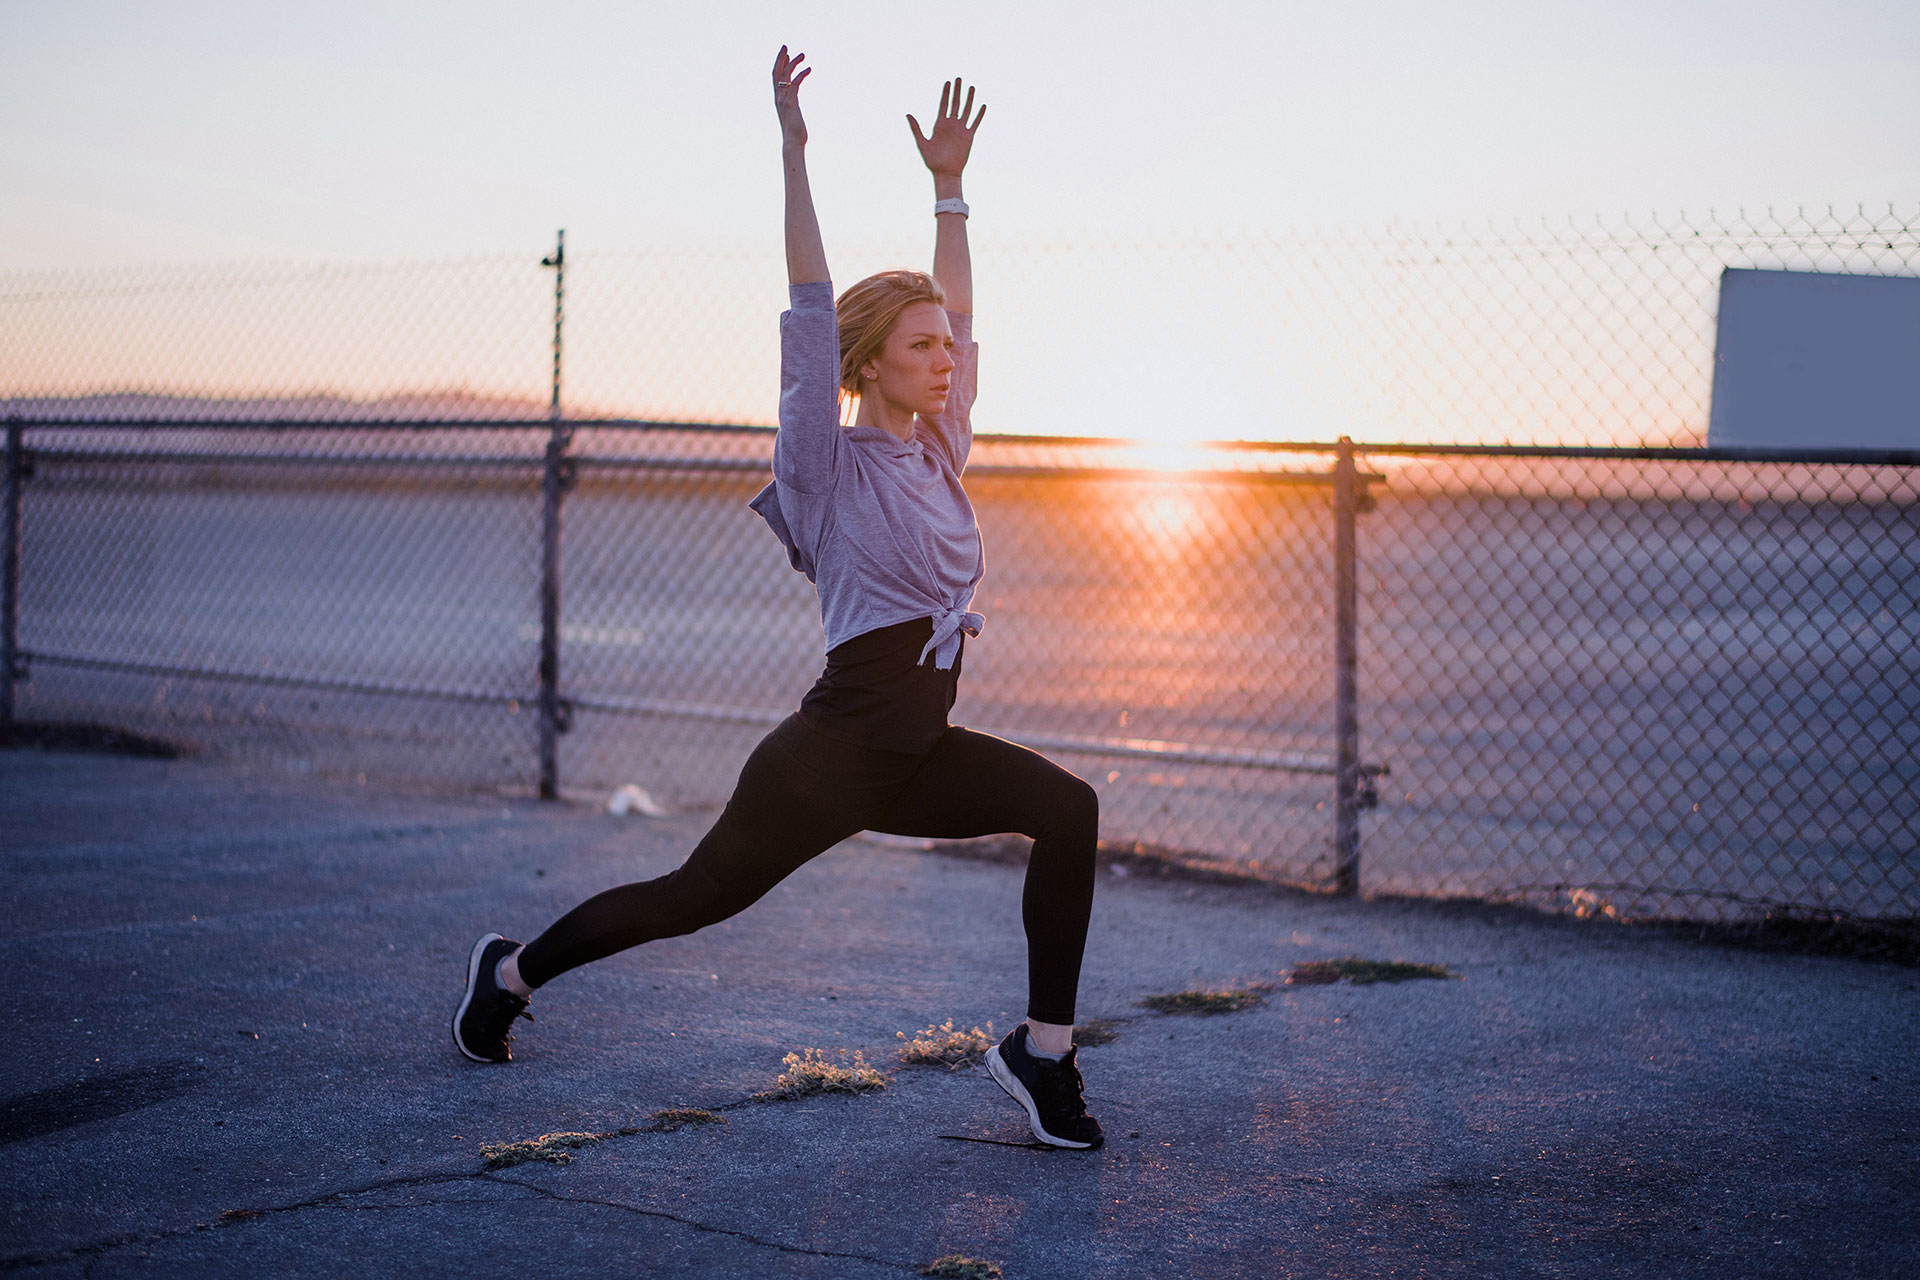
868	311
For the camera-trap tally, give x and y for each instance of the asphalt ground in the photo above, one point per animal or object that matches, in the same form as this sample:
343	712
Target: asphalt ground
227	1054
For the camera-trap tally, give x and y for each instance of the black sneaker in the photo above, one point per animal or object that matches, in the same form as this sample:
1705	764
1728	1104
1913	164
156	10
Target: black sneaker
1049	1090
483	1024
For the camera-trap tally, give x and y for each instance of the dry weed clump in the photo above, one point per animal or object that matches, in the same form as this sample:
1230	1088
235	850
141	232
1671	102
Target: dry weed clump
1207	1002
810	1073
554	1148
1095	1032
956	1266
1361	972
674	1119
946	1046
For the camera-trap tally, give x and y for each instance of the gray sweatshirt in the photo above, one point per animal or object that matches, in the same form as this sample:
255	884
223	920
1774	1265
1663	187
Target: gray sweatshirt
879	525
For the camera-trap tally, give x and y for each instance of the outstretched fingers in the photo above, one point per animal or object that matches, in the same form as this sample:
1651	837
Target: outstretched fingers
946	145
957	109
787	71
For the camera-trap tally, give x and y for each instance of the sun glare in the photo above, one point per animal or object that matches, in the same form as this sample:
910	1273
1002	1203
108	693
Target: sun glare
1168	455
1169	520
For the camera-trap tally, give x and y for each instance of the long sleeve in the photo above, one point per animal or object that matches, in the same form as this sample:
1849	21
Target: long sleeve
804	452
797	505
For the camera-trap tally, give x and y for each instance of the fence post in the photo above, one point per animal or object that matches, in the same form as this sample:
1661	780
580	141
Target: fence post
556	479
1346	712
10	594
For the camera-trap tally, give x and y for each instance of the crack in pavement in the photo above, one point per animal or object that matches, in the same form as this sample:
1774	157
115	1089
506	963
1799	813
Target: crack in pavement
547	1194
99	1249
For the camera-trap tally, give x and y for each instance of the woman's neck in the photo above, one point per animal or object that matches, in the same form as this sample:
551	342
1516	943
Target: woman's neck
876	411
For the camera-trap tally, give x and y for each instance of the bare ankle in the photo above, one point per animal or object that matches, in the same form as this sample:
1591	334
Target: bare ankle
508	974
1050	1038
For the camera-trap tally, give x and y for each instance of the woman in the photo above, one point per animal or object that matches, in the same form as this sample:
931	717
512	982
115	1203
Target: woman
875	515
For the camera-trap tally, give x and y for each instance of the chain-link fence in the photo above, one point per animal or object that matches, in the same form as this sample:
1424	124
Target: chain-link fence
1670	685
1637	680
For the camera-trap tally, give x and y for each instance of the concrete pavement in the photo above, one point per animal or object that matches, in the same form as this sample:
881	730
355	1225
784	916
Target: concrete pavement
227	1054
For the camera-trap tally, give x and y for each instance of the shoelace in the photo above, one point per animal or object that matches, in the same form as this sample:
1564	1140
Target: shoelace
1063	1087
498	1018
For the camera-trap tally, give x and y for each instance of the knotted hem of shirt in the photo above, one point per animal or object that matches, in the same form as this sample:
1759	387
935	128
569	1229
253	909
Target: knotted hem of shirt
945	644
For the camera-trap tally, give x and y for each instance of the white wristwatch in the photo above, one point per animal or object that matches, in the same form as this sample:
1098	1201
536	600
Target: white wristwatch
952	204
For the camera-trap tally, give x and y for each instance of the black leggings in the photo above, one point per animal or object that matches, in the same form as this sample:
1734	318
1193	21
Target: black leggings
800	793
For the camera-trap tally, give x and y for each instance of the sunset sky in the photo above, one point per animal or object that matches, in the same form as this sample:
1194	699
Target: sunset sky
134	131
1120	141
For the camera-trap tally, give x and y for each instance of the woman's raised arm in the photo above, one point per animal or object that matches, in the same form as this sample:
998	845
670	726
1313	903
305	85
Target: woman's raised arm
806	255
945	152
805	450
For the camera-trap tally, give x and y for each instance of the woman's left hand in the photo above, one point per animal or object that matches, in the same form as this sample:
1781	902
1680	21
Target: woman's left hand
946	151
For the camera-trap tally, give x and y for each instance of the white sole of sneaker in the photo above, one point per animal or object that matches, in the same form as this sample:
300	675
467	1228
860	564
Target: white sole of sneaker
473	976
1003	1075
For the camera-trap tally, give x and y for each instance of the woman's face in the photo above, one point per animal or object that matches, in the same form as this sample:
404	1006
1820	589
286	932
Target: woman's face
913	371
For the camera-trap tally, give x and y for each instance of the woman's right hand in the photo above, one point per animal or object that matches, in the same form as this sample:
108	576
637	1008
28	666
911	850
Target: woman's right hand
787	75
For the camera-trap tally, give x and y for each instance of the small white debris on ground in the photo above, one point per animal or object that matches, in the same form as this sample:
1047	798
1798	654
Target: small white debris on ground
633	799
